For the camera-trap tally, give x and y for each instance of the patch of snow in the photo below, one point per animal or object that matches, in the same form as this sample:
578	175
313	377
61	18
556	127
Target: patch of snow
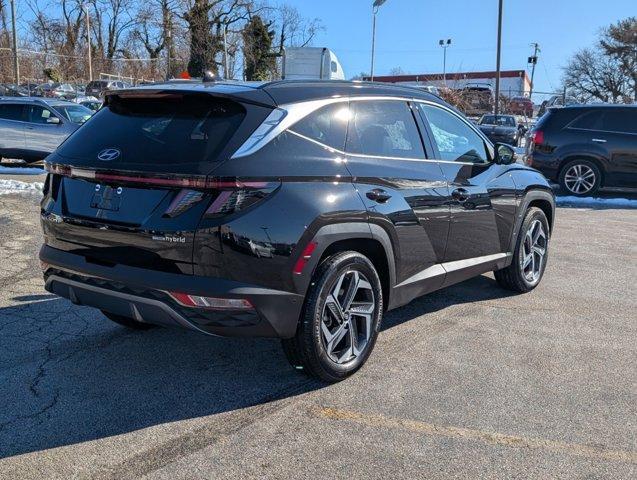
22	170
597	202
14	186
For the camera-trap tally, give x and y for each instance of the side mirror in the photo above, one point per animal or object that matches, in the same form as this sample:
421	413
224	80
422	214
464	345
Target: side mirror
504	154
53	120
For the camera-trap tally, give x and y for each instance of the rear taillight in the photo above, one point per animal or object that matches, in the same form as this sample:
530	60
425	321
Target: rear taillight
211	303
538	137
231	201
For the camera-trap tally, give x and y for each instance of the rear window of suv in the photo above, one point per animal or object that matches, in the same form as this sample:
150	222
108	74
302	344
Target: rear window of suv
173	132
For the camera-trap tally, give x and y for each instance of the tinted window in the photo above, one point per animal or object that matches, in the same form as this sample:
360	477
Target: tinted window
176	131
497	120
11	111
75	113
38	114
383	128
456	141
588	121
620	120
327	125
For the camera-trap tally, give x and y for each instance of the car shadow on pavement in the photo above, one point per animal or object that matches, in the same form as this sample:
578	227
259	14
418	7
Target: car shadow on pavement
69	375
477	289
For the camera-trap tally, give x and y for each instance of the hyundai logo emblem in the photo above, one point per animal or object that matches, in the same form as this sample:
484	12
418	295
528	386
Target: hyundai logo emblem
109	154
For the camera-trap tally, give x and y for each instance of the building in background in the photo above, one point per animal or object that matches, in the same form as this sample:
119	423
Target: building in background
513	83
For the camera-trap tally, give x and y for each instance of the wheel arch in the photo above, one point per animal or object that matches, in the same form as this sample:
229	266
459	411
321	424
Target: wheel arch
540	198
367	239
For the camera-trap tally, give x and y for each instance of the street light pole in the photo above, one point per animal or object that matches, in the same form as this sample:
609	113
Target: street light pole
375	6
497	68
16	65
88	41
444	46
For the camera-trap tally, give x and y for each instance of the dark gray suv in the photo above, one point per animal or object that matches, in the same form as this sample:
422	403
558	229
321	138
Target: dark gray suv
31	128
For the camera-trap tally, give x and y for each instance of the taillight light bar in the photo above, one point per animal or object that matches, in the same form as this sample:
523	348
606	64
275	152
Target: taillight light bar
170	181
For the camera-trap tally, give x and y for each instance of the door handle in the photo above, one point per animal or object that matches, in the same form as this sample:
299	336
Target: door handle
598	140
378	195
460	194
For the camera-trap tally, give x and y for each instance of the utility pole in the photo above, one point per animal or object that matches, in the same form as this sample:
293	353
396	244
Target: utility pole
533	61
497	68
16	65
88	41
376	5
444	46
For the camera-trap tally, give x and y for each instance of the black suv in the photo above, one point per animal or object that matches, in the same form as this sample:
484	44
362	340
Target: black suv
587	147
299	210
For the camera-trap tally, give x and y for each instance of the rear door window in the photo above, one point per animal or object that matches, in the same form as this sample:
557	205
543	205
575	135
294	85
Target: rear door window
383	128
38	114
11	111
176	132
327	125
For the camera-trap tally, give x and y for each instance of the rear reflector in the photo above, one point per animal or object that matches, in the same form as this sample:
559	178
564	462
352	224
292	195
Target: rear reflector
211	303
304	258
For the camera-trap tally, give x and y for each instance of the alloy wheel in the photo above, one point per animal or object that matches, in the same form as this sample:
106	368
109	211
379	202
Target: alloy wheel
534	252
346	320
579	179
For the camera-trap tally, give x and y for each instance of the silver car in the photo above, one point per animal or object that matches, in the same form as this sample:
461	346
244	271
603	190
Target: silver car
31	128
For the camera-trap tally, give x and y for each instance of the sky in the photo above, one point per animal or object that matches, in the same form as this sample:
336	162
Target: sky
408	31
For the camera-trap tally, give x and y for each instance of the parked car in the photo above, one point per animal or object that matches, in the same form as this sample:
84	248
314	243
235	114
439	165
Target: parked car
31	127
587	147
501	128
521	106
479	98
96	88
374	195
11	90
91	103
55	90
556	101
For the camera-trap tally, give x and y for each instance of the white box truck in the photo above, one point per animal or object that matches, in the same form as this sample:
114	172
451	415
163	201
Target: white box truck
311	63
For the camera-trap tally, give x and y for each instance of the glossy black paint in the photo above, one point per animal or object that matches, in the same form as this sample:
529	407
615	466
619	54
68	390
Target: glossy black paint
419	219
614	152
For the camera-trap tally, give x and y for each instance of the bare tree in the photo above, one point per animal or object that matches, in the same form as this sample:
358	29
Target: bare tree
590	75
620	42
293	29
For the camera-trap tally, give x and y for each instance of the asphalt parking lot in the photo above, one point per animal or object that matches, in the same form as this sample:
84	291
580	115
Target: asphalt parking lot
468	382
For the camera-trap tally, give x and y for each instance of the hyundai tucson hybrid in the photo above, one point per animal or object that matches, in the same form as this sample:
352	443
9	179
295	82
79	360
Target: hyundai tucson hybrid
587	148
295	209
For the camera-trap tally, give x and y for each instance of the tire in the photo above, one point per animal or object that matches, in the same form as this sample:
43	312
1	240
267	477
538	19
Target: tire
580	178
127	321
517	277
327	311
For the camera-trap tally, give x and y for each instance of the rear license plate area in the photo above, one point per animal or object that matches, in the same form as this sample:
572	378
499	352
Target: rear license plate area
107	198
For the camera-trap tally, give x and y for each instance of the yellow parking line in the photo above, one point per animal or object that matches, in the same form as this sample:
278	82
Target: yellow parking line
493	438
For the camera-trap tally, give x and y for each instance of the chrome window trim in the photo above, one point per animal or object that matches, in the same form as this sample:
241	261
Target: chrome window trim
299	110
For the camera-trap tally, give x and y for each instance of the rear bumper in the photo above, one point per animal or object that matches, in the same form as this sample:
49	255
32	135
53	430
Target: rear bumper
142	294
